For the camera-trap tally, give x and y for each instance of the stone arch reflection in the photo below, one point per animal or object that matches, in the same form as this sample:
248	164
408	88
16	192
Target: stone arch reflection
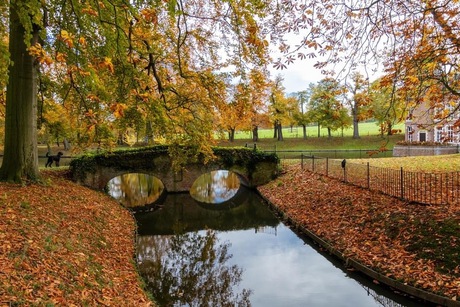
215	187
135	190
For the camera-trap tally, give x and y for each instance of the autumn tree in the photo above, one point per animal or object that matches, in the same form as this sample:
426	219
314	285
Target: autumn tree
301	115
235	113
414	43
358	100
387	111
280	108
108	56
258	87
326	108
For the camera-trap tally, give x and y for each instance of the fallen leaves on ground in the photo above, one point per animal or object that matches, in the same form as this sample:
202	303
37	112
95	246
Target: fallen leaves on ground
379	231
63	244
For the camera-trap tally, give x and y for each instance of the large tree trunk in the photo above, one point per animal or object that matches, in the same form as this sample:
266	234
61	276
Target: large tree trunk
304	129
20	160
319	130
275	129
231	134
280	132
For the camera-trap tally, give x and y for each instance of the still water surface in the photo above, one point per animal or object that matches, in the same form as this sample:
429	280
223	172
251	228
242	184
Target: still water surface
235	252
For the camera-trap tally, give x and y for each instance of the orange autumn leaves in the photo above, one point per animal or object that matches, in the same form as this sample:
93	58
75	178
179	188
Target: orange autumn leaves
376	230
63	244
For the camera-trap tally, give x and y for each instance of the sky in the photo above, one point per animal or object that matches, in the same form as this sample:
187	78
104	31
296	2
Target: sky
298	75
301	73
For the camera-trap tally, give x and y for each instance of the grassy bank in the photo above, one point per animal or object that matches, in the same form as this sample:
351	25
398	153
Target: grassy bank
373	142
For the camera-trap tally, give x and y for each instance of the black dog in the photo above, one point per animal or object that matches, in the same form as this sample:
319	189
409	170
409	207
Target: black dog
54	159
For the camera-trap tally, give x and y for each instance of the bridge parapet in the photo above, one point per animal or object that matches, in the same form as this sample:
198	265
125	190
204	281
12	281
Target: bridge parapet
252	166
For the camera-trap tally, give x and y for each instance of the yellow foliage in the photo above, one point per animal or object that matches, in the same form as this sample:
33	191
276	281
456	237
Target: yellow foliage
40	54
118	109
66	38
107	63
61	57
90	11
82	41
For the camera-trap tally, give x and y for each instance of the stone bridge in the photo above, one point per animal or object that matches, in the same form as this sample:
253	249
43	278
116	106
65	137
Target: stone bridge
253	167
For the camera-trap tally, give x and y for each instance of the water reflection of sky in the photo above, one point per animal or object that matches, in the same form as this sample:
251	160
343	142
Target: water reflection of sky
278	266
215	187
283	271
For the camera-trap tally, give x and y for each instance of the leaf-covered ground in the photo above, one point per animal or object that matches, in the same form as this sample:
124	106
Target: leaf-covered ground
62	244
65	245
416	244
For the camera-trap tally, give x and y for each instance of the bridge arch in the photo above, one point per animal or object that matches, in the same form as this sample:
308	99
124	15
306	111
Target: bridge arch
253	167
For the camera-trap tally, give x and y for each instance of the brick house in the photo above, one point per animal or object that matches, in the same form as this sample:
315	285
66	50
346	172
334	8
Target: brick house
425	124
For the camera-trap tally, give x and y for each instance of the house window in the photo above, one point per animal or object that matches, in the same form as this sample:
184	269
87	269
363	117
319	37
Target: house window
451	109
450	133
409	134
422	136
438	135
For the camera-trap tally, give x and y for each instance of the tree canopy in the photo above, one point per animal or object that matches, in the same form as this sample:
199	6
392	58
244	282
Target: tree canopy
113	65
415	43
152	68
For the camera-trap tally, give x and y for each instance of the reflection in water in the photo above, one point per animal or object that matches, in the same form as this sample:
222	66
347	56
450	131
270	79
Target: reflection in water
190	270
215	187
135	189
182	260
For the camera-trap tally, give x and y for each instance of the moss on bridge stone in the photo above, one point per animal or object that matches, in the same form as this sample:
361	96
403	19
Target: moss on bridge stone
256	166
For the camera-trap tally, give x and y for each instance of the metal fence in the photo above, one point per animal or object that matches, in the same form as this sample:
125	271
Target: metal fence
425	188
329	153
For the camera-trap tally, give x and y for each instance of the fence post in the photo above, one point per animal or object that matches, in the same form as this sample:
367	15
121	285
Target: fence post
327	166
368	177
313	163
301	161
402	183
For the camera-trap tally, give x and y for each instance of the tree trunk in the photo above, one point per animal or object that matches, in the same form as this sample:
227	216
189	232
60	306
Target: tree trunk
280	132
329	133
66	144
231	134
390	129
20	160
355	124
275	129
319	130
255	134
304	128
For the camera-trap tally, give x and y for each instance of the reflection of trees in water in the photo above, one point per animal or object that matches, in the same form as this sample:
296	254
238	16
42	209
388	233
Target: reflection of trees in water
190	269
135	189
215	187
381	299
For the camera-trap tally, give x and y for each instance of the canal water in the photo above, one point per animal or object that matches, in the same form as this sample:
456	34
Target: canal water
221	245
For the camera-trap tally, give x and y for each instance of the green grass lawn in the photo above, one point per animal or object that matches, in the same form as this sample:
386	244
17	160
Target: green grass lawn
365	129
370	141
